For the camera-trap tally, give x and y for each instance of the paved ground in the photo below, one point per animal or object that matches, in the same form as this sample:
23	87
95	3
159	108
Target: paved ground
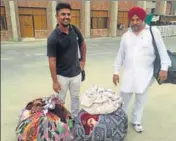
25	76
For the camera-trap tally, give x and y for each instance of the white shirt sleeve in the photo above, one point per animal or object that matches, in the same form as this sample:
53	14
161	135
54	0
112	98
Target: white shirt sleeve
120	57
164	57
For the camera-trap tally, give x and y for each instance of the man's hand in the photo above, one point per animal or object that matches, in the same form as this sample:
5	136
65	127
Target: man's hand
56	87
162	75
115	79
82	64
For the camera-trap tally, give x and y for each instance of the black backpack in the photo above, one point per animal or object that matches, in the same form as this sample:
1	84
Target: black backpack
157	64
79	44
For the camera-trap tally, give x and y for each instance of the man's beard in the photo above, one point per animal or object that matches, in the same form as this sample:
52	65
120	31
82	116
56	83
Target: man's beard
136	28
66	23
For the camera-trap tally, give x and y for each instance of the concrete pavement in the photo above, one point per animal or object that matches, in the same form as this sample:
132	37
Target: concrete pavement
25	76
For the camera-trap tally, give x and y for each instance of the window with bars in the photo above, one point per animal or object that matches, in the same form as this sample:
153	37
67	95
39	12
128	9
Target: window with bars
99	19
38	14
3	20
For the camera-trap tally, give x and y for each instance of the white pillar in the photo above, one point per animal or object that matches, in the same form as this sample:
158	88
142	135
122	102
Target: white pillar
54	20
13	21
87	18
113	18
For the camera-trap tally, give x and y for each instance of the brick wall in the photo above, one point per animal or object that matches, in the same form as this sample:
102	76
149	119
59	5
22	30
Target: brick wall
32	3
41	34
99	32
126	5
4	36
99	5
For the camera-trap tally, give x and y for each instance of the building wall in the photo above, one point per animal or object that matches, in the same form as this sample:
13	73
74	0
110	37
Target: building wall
6	34
99	5
123	6
126	5
39	4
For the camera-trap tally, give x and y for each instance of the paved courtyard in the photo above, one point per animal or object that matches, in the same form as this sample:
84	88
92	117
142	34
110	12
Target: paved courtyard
25	75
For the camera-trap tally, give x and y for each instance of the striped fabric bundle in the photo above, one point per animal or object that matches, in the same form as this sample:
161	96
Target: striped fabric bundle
107	127
101	117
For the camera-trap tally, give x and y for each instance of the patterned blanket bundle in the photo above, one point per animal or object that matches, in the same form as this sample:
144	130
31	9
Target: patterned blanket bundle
101	117
44	119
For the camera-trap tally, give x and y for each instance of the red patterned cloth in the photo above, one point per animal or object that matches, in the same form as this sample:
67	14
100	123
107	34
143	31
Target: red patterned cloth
88	121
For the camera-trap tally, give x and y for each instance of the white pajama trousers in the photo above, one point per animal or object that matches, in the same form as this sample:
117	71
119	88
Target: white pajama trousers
138	106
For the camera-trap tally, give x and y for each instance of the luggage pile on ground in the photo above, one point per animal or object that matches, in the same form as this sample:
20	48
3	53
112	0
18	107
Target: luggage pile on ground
101	118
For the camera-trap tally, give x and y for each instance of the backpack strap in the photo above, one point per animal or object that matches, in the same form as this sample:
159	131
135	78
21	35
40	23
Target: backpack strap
154	42
79	43
77	32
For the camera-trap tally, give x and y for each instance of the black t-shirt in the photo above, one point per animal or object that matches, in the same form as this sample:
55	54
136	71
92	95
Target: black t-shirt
65	48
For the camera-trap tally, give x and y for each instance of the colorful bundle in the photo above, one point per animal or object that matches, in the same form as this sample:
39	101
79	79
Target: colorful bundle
44	119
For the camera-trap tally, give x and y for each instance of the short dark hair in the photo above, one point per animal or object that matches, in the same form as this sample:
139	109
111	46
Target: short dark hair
62	6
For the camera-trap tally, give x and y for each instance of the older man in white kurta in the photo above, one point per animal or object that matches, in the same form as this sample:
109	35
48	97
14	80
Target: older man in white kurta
136	55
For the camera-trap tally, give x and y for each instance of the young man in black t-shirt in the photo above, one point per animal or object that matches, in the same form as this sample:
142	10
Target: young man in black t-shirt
63	46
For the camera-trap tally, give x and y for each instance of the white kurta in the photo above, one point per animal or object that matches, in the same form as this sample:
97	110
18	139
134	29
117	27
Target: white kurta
136	55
